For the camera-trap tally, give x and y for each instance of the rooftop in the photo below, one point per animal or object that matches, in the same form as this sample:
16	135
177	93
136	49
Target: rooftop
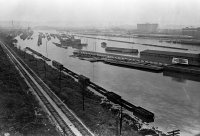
180	54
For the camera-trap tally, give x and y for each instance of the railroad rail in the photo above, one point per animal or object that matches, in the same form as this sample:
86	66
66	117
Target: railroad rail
64	118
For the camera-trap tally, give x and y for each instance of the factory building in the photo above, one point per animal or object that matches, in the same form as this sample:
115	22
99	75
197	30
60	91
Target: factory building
171	57
194	32
147	28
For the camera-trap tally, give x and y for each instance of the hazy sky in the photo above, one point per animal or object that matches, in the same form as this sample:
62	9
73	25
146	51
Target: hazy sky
102	12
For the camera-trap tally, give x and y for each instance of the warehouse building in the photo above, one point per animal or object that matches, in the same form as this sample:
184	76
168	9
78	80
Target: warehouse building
147	28
171	57
194	32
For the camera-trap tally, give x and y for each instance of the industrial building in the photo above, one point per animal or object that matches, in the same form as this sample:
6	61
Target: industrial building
147	28
194	32
171	57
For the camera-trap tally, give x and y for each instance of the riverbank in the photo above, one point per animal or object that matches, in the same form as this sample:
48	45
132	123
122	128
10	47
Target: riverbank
20	111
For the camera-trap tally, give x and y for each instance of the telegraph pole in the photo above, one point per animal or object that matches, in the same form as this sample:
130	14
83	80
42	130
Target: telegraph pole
84	82
60	78
120	127
45	63
60	67
36	64
45	69
24	52
174	133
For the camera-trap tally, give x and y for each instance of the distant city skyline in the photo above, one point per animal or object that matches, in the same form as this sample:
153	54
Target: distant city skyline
101	13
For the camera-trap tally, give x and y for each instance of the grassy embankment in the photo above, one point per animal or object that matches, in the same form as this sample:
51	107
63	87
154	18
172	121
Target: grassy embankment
20	113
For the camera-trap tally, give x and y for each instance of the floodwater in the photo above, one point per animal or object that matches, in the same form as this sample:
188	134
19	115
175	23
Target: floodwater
173	98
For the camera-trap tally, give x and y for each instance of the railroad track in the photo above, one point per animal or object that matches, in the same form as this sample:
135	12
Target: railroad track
66	120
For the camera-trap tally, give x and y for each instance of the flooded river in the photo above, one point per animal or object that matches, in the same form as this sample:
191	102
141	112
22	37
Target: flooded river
174	99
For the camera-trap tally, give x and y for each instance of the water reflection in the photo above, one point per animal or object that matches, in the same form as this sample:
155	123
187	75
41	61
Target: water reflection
181	77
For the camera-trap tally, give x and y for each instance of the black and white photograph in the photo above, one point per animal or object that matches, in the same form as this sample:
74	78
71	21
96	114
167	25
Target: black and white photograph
99	67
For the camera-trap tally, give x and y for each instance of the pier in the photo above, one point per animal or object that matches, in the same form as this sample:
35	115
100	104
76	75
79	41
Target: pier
119	60
104	55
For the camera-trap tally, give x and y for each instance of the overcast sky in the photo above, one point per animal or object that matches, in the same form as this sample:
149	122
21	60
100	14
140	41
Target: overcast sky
102	12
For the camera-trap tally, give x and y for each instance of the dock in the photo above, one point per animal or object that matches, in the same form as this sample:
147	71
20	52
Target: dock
119	60
91	54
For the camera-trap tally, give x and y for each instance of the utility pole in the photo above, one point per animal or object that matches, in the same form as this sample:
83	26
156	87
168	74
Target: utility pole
24	52
84	82
12	24
60	78
59	66
115	97
45	63
120	127
36	64
174	133
45	69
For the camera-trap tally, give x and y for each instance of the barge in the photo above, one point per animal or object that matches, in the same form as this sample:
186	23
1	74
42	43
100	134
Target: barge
139	65
121	50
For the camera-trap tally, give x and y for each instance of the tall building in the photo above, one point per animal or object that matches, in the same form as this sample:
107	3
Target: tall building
147	28
194	32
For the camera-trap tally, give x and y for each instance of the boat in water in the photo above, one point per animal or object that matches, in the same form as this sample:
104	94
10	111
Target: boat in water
103	44
121	50
135	64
